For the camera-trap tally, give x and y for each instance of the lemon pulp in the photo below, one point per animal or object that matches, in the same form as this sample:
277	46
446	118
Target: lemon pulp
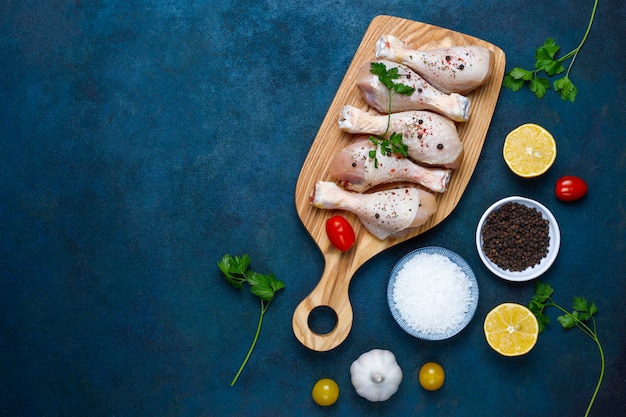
511	329
529	150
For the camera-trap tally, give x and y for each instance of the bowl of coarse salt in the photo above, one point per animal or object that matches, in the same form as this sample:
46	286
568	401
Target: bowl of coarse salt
518	238
432	293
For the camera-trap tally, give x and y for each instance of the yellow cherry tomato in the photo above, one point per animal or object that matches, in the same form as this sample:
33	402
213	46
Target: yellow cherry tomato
431	376
325	392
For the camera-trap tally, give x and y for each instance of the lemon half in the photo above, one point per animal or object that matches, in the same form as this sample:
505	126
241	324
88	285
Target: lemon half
511	329
529	150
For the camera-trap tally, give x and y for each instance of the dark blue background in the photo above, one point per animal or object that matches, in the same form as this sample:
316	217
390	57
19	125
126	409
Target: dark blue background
143	140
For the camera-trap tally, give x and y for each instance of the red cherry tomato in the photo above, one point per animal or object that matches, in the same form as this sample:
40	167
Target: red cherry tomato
570	188
340	233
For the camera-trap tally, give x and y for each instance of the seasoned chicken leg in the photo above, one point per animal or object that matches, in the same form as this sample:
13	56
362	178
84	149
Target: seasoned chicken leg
457	69
354	168
384	214
432	139
425	97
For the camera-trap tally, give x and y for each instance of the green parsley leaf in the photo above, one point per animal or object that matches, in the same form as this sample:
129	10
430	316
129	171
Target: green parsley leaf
567	321
378	68
234	264
586	310
403	89
373	153
391	73
254	278
566	88
263	289
265	286
385	77
580	304
543	321
512	83
539	86
544	57
547	50
518	73
234	268
543	291
397	146
538	303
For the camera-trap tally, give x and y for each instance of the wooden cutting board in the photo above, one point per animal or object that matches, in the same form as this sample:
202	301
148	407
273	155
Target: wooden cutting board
332	289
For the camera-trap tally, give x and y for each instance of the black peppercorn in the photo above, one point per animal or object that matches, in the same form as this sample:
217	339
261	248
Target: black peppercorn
515	237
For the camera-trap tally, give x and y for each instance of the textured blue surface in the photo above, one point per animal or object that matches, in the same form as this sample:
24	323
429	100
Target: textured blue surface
140	141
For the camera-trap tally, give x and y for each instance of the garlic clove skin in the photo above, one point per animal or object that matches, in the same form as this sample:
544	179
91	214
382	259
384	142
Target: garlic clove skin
376	375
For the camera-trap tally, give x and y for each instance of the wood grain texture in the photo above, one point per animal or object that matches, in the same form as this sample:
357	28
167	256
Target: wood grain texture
332	289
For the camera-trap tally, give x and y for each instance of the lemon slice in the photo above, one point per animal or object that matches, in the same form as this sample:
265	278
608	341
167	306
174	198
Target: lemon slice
511	329
529	150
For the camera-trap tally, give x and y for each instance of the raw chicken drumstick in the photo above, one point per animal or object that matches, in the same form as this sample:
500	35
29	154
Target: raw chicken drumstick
432	139
457	69
425	96
384	214
354	168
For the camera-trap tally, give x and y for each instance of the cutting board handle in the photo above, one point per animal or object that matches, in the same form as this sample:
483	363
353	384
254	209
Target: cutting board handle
332	292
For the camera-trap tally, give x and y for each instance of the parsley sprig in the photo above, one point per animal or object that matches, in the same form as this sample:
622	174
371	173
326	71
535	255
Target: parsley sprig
394	143
581	316
547	62
236	271
387	146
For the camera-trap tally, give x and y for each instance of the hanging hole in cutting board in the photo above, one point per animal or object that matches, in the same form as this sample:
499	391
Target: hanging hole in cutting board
322	320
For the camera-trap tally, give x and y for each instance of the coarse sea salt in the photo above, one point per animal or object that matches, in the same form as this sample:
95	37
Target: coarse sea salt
432	293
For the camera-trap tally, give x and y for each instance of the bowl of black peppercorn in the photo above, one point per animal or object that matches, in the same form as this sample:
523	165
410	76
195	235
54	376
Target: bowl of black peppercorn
518	238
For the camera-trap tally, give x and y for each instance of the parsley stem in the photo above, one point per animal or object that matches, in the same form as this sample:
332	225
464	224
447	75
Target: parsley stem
593	336
595	393
264	306
574	53
582	326
394	143
388	113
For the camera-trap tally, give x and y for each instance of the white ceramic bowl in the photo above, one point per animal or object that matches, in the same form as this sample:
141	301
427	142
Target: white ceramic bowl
533	271
473	302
